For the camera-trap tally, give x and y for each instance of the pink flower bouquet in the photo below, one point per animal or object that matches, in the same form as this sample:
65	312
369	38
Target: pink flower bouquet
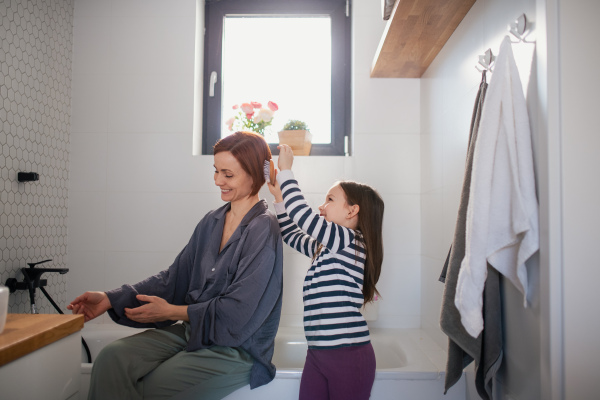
252	116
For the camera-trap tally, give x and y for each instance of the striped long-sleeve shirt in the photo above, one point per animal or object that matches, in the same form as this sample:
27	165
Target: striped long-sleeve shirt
332	291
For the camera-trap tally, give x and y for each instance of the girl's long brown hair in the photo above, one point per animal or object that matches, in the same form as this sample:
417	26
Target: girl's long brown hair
370	225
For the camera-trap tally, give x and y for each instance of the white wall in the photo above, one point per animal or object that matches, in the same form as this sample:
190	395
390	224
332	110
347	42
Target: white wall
448	90
552	349
136	192
578	32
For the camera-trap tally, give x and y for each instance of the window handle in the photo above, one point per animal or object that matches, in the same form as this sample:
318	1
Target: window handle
211	87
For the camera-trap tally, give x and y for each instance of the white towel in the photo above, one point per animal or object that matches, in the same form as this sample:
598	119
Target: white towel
502	215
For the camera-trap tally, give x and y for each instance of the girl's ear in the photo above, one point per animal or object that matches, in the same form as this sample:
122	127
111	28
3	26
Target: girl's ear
353	211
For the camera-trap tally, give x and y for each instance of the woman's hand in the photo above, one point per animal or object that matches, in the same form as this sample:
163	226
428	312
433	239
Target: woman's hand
286	157
156	309
90	304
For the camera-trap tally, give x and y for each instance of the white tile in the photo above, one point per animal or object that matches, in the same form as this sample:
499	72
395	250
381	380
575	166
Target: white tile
160	222
459	118
90	103
318	174
426	97
432	152
461	57
402	223
400	285
91	45
431	290
154	45
153	8
87	221
366	35
437	121
387	106
433	242
367	9
496	16
132	267
87	272
433	96
451	203
349	166
150	103
389	163
87	164
92	8
367	28
160	162
204	174
295	266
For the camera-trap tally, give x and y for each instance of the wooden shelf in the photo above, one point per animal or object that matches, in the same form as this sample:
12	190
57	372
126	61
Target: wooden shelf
415	33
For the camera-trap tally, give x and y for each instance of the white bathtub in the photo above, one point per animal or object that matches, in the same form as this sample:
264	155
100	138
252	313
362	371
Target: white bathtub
409	364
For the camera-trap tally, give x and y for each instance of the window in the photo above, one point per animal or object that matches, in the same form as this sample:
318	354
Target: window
294	53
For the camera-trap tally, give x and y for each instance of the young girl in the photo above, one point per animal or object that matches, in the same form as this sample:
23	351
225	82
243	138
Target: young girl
344	241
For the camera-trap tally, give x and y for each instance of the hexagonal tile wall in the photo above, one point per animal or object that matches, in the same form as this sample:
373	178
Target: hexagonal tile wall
35	114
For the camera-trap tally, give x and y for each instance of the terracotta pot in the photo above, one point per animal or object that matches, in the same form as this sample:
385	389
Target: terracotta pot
298	140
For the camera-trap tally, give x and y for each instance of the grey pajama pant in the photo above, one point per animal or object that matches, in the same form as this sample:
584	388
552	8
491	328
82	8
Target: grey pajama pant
154	365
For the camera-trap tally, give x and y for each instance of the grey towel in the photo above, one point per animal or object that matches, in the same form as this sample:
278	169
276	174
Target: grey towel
486	349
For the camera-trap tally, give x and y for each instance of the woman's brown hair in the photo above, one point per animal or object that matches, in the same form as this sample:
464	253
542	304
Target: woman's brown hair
251	151
370	225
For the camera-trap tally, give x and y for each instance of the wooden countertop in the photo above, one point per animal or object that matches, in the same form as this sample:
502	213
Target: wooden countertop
26	333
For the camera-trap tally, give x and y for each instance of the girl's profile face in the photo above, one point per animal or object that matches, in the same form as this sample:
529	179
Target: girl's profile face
336	208
230	177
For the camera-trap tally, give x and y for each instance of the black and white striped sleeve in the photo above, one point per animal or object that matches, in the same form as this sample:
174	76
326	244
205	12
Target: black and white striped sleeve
334	237
292	235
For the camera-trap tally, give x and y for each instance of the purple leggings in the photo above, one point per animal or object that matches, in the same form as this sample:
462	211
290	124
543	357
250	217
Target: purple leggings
345	373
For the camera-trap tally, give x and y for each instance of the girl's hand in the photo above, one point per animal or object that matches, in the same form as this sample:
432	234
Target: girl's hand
156	309
286	157
275	190
90	304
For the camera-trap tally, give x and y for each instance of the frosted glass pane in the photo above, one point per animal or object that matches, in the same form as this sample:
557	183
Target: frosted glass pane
286	60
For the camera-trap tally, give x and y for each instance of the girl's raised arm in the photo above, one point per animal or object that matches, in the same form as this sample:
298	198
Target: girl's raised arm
333	236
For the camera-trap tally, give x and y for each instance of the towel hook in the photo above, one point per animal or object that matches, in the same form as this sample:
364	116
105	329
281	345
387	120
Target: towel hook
520	28
486	61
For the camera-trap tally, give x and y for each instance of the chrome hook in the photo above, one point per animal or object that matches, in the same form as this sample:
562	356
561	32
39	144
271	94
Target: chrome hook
486	61
520	28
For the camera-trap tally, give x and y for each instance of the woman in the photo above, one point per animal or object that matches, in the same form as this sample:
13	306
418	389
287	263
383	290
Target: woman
225	286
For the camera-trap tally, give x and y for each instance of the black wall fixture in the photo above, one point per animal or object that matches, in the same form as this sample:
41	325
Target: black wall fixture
28	176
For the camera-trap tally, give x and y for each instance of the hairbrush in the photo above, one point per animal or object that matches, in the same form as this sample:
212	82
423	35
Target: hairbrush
269	171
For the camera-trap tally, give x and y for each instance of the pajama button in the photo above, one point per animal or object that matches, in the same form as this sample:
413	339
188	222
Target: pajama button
213	269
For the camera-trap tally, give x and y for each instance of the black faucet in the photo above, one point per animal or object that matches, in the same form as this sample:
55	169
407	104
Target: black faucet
32	280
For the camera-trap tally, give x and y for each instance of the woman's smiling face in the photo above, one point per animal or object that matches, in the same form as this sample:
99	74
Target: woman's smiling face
230	177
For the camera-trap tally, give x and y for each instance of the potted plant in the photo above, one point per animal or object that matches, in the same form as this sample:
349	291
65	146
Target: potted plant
296	134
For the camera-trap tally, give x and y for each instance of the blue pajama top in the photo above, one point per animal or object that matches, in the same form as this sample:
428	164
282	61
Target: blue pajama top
233	296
